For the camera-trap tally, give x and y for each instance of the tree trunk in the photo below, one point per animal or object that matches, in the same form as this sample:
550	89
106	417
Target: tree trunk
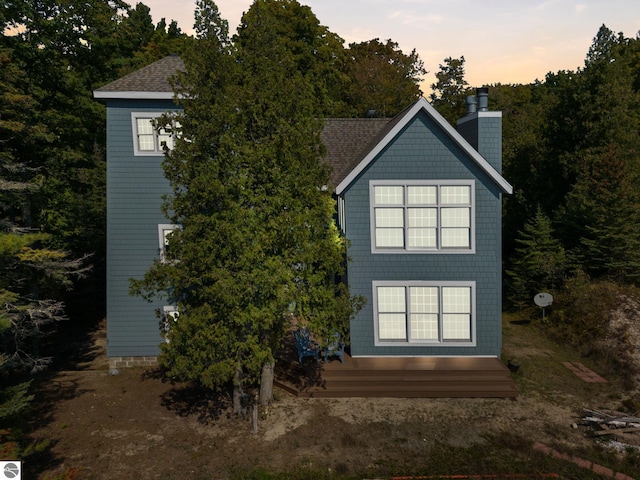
266	384
254	414
237	391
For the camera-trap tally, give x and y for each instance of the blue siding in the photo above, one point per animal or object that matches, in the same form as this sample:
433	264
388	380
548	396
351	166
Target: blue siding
135	186
423	151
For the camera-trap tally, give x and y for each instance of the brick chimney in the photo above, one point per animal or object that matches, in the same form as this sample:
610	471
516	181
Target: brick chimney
482	128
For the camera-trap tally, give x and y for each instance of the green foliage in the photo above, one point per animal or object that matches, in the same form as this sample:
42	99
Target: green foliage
13	400
539	264
571	150
582	316
257	244
382	78
450	91
600	211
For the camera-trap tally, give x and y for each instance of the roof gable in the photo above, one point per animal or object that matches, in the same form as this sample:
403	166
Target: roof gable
394	126
150	82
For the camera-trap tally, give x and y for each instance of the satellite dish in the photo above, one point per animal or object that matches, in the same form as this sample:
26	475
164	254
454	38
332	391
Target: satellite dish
543	299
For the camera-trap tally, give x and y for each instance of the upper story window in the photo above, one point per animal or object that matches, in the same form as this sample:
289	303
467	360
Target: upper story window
149	138
438	313
164	234
422	216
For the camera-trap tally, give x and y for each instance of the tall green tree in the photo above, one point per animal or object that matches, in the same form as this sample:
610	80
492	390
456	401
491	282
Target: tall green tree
571	149
450	90
257	246
382	78
603	211
525	158
539	264
315	52
599	216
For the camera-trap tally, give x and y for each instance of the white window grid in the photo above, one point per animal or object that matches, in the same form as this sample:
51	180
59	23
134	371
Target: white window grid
423	216
149	139
430	313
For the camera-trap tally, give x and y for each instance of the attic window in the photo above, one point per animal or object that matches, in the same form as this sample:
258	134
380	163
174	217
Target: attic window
149	138
422	216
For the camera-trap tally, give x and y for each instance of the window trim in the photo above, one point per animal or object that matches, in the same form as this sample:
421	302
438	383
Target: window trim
165	324
421	250
158	149
408	342
162	228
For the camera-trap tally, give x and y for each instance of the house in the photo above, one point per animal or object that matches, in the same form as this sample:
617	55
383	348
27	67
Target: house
421	207
136	227
418	200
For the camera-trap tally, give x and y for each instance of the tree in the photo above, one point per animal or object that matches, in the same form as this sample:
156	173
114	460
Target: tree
138	26
257	246
525	160
571	150
539	263
382	78
317	53
603	211
450	90
597	149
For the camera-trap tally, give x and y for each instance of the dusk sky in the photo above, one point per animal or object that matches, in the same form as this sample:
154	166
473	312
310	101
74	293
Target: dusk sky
503	41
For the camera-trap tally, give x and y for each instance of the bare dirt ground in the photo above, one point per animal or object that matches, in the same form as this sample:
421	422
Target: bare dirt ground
136	425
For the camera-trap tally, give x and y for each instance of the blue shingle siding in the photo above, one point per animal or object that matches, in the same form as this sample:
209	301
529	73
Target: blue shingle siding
422	151
483	130
135	185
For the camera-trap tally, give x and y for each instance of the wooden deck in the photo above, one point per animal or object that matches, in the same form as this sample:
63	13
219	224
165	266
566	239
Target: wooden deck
403	377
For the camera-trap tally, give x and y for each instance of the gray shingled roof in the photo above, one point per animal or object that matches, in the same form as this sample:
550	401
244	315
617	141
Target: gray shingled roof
347	141
152	78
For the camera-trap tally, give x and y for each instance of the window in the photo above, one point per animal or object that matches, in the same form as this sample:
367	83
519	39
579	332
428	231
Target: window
424	312
168	317
164	233
149	138
422	217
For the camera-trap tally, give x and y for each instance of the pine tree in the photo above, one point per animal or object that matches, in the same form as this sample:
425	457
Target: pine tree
539	263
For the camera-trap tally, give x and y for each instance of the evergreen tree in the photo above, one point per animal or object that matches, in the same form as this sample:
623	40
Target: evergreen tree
450	90
603	211
539	263
315	52
599	215
257	245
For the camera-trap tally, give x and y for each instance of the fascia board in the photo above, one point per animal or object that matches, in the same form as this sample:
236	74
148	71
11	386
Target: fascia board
99	94
422	104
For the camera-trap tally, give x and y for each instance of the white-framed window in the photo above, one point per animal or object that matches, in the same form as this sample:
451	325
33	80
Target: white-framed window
168	317
149	138
422	312
422	216
164	233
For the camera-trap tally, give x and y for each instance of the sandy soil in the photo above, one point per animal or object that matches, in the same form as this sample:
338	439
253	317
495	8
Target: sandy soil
137	426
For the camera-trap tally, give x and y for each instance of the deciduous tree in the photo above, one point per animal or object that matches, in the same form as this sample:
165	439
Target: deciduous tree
382	78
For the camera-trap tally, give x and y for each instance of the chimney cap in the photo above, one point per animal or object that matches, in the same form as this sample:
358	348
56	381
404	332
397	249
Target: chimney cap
483	99
472	104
